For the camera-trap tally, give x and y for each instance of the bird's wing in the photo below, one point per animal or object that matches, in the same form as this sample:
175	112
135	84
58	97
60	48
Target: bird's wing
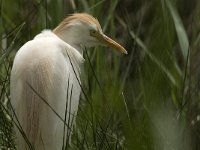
42	74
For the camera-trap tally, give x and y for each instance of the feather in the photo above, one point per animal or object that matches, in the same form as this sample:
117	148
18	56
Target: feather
48	74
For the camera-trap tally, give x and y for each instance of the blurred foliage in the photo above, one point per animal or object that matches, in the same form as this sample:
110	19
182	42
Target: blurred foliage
147	100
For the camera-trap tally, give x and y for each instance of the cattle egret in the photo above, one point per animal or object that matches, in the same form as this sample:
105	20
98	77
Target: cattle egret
44	73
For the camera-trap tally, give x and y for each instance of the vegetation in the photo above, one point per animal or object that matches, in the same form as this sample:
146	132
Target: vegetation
146	100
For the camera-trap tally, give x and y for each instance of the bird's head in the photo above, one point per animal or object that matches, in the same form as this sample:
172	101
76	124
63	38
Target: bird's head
83	29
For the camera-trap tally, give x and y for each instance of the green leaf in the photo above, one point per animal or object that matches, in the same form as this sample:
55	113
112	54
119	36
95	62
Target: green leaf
154	59
180	30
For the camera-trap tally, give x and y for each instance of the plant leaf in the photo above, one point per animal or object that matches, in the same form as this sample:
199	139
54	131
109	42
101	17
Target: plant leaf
180	30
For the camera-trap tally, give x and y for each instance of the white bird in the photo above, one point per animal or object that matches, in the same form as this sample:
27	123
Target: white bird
45	71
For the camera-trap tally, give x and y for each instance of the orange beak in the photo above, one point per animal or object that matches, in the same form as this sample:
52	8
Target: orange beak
108	41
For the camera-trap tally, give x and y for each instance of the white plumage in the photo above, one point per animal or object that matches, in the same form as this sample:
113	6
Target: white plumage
46	70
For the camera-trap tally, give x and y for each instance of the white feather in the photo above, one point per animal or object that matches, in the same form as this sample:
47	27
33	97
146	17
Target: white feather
44	65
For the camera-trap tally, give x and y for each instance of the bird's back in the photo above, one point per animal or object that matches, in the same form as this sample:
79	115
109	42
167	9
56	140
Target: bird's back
41	81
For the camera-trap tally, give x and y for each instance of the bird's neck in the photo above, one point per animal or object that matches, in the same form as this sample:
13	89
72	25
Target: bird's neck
71	39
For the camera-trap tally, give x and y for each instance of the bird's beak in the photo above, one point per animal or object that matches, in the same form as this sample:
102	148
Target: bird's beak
109	42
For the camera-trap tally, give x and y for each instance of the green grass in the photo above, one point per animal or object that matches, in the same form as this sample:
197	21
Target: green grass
146	100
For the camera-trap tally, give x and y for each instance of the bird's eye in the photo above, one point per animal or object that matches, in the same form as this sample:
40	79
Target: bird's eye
92	32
